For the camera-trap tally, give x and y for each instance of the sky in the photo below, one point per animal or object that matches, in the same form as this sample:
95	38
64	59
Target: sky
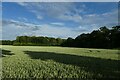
56	19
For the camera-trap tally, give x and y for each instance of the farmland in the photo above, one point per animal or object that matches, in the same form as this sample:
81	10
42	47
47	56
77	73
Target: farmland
59	62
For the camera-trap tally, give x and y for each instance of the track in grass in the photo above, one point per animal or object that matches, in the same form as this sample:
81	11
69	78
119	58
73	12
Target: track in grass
60	62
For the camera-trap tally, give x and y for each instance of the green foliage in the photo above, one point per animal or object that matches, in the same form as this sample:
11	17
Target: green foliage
6	42
102	38
60	62
37	41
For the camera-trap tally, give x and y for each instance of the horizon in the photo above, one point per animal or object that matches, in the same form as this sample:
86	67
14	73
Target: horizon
55	37
58	20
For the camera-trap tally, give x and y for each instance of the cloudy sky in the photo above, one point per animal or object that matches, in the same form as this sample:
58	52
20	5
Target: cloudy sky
62	19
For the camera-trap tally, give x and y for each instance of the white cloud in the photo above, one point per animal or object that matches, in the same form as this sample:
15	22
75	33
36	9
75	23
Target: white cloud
22	4
23	19
105	19
75	18
64	32
64	11
12	28
18	24
57	23
39	17
92	22
70	12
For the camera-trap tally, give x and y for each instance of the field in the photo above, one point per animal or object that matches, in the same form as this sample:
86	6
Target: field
59	62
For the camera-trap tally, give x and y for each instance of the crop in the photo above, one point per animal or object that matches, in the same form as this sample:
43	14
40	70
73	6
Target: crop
59	62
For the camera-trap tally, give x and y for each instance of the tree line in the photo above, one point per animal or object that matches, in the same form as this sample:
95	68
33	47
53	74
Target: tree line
39	41
101	38
6	42
34	41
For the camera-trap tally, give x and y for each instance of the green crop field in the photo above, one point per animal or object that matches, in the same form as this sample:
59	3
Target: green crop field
59	62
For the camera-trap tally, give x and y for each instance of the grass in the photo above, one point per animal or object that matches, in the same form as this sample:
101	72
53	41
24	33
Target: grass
59	62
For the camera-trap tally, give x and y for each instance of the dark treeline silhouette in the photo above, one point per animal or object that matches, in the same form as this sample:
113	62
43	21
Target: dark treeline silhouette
101	38
37	41
7	42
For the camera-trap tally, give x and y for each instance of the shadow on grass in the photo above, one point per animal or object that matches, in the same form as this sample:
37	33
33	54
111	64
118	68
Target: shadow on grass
108	68
5	52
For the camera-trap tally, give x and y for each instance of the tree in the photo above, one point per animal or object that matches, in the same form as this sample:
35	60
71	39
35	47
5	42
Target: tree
69	42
